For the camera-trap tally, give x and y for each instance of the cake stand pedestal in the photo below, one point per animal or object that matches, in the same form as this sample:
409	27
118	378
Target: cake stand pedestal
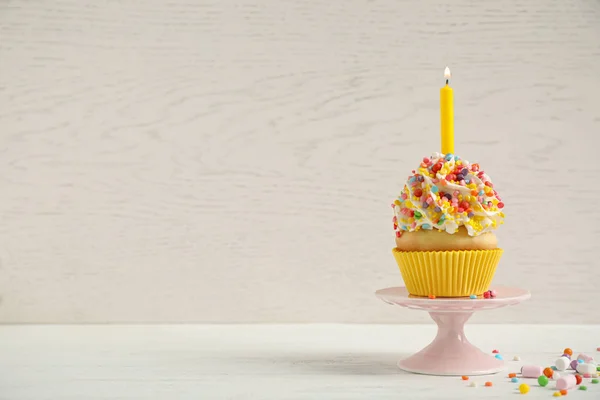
450	353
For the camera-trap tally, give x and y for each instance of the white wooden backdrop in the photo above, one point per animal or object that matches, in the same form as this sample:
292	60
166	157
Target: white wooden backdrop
221	160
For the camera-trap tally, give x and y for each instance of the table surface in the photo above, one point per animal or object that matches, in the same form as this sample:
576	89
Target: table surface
262	361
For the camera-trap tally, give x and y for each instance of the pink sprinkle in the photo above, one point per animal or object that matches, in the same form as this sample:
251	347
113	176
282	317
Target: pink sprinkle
435	180
480	199
429	200
495	351
462	183
460	210
598	349
456	193
413	225
395	220
404	196
426	160
398	233
393	205
493	293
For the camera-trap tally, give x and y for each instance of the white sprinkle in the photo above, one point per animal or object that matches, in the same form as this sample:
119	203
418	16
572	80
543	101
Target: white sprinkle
555	375
516	358
473	384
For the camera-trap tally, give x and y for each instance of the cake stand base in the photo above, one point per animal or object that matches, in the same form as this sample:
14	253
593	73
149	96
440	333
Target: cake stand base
450	353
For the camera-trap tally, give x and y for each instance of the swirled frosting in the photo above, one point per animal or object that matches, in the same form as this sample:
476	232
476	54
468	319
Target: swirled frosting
445	193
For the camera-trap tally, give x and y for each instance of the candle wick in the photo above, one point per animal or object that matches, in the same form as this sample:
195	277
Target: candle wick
446	81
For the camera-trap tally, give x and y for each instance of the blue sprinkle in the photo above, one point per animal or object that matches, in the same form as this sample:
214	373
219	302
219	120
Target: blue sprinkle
437	209
404	228
426	226
553	368
499	357
514	380
449	157
580	361
434	189
474	297
411	180
481	192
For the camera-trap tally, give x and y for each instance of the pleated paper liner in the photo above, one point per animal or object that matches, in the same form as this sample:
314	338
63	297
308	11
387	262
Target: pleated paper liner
447	273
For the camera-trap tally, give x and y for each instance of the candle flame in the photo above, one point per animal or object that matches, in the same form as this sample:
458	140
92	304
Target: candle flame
447	73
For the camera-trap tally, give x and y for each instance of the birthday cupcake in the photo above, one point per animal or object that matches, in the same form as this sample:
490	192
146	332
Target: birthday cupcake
444	220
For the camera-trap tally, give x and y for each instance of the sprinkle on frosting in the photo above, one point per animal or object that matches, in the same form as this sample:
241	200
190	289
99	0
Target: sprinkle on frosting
445	193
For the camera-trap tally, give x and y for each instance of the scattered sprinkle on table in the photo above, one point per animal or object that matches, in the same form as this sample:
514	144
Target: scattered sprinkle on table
516	358
595	380
465	378
543	380
495	351
548	372
473	296
473	384
557	394
512	375
582	387
564	392
431	296
514	380
524	388
578	378
488	384
499	357
568	351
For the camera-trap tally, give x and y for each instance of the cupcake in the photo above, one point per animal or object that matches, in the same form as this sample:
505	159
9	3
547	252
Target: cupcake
444	220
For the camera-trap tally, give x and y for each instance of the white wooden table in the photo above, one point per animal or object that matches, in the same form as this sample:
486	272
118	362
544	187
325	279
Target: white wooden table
262	361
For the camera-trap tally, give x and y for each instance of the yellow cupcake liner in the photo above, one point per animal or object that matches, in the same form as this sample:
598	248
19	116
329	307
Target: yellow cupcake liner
447	273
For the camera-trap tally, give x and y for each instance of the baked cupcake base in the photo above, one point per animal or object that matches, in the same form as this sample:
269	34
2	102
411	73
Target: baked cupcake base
455	273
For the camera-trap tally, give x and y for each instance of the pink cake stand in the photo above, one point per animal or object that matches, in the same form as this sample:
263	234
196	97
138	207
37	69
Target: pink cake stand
450	353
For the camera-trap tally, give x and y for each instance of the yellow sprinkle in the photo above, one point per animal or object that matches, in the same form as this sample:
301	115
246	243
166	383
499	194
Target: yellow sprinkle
397	202
459	162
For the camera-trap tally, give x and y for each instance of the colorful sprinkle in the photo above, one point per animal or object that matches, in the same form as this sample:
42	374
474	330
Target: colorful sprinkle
595	381
514	380
568	351
516	358
431	296
542	380
548	372
465	378
473	296
488	384
556	394
582	387
476	207
499	357
564	392
524	388
578	379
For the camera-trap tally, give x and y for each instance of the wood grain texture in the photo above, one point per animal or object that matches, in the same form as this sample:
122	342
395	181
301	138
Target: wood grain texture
221	161
234	362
